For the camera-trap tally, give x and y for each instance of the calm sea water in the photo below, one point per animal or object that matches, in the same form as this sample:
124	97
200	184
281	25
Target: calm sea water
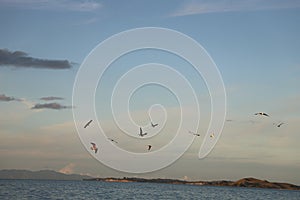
43	189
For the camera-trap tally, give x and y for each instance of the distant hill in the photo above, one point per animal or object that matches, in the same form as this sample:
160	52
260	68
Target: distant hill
253	182
245	182
42	174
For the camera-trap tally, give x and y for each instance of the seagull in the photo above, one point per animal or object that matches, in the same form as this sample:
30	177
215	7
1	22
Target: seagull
141	132
94	147
154	125
279	125
149	147
113	140
87	124
262	113
212	135
196	134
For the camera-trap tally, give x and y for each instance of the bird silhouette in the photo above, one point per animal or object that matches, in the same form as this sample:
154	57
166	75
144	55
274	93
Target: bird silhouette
87	124
154	125
196	134
141	132
113	140
149	147
94	147
262	114
279	125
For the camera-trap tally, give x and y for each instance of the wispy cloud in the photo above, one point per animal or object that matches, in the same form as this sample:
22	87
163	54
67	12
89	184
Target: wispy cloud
86	21
51	98
54	106
21	59
217	6
56	5
3	97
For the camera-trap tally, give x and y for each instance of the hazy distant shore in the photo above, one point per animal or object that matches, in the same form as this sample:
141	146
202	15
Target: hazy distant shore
53	175
245	182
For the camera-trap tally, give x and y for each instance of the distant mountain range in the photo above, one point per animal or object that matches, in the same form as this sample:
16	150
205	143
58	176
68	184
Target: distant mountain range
42	174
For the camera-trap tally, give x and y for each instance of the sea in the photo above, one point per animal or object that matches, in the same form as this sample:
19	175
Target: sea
50	189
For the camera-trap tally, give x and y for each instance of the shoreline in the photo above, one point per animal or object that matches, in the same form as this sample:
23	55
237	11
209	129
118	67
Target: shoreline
245	182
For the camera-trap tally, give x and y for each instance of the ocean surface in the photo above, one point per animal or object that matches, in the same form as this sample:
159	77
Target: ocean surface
47	189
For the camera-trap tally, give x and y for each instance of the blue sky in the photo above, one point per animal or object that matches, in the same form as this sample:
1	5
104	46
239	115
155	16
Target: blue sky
255	45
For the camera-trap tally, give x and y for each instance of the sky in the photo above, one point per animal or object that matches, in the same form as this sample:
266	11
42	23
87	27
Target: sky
254	43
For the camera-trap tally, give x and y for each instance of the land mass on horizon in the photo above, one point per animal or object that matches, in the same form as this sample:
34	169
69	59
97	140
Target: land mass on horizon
244	182
54	175
39	175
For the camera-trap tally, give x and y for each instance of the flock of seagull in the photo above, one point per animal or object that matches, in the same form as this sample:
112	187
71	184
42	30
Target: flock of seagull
142	133
265	114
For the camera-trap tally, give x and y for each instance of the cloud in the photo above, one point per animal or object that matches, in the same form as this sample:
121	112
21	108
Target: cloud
203	6
3	97
55	5
55	106
21	59
51	98
86	21
68	169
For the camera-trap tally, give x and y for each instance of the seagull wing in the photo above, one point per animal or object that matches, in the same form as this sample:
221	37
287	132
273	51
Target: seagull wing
94	145
87	124
280	124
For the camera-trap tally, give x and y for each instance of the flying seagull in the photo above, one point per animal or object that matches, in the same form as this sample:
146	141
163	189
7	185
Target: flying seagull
196	134
94	147
141	132
262	114
113	140
87	124
153	125
279	125
149	147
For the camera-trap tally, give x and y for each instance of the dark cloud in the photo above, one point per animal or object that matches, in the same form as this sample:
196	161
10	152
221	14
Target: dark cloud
51	98
3	97
55	106
21	59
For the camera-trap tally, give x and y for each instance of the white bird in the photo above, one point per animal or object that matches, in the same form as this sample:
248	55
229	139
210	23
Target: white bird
262	114
153	125
196	134
94	147
113	140
279	125
141	132
87	124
